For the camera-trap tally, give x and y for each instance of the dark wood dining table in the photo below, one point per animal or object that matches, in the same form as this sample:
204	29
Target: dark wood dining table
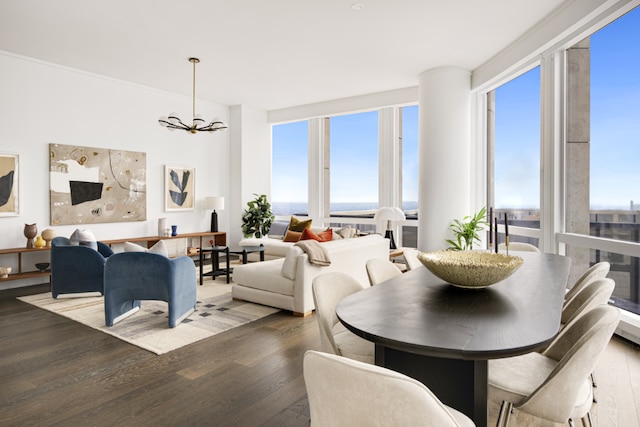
444	336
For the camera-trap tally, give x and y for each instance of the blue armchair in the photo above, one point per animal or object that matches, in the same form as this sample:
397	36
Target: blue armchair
133	276
77	269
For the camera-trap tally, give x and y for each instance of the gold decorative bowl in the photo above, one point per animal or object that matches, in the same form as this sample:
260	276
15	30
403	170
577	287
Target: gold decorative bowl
470	269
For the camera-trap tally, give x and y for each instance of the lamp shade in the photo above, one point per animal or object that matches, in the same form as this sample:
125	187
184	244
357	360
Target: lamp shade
214	203
389	214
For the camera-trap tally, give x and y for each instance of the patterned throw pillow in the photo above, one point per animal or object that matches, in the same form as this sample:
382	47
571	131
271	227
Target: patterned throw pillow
83	237
159	248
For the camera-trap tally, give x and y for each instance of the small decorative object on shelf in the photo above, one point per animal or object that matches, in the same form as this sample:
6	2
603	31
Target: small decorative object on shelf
4	272
162	227
48	234
30	231
39	243
174	230
42	266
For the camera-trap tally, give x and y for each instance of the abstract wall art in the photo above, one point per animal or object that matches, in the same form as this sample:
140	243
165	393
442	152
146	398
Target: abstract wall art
9	191
96	185
180	188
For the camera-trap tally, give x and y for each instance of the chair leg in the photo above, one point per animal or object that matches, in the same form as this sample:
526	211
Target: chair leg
571	423
503	416
593	380
589	420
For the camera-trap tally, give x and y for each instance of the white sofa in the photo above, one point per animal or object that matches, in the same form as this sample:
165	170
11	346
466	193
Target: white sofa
286	282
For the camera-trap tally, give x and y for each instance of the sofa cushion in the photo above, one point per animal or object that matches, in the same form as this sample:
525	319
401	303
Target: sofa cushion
296	224
292	236
83	237
265	276
278	229
323	236
290	263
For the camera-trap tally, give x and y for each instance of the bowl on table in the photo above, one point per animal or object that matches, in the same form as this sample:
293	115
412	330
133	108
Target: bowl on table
470	269
42	266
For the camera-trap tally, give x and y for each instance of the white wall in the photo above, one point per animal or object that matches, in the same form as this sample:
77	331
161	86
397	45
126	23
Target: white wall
42	103
251	160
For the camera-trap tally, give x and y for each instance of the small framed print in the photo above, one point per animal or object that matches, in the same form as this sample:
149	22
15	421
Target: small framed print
180	188
9	185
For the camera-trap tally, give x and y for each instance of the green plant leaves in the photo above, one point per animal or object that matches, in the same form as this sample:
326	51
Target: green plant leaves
257	218
466	231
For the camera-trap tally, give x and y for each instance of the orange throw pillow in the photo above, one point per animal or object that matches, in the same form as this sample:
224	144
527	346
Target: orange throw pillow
292	236
323	236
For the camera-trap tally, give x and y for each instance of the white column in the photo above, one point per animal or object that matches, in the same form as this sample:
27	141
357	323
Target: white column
443	153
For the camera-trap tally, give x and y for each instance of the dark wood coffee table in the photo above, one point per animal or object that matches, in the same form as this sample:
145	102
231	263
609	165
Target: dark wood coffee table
215	259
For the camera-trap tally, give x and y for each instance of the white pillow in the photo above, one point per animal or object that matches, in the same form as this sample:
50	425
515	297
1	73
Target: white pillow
291	262
83	237
159	248
346	232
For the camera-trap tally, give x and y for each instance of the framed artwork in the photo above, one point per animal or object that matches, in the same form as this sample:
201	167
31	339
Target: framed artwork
180	188
96	185
9	185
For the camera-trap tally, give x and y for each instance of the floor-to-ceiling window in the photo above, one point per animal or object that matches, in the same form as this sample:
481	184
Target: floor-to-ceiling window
515	143
354	164
409	147
289	174
604	144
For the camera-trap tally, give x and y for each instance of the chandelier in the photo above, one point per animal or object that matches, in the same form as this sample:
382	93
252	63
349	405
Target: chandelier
173	122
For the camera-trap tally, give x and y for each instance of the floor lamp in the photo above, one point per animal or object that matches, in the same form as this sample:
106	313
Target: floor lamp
389	215
214	203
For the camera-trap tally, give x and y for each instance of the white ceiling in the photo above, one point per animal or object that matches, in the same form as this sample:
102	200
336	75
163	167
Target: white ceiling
267	54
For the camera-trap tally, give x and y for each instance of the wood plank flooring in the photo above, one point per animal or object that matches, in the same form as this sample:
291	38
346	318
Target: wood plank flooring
54	371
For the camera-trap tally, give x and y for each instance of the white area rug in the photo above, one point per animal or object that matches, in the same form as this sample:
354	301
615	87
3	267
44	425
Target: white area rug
149	329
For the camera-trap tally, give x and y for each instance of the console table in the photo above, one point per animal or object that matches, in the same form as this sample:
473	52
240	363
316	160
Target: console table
218	238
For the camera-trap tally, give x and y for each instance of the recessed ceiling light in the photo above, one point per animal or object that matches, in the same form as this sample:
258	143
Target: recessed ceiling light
357	6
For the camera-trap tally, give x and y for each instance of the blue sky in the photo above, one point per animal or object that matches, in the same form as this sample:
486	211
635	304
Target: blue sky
615	125
615	137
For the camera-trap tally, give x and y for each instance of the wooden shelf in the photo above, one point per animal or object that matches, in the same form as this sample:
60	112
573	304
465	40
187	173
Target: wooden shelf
219	238
26	275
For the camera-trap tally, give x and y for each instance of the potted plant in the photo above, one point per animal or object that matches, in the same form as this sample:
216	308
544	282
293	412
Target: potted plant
466	231
257	218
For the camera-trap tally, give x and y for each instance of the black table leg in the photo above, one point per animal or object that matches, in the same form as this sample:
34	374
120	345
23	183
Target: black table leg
201	260
226	251
461	384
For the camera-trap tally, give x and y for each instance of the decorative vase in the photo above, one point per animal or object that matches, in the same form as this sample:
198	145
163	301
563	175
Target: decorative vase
30	231
174	230
48	234
162	227
39	243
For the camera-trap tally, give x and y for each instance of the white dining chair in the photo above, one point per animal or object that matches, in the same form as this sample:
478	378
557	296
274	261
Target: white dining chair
380	270
554	386
518	247
411	258
328	290
596	271
345	392
595	293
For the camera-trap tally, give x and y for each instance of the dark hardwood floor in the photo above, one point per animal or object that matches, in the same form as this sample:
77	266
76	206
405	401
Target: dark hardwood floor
56	372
